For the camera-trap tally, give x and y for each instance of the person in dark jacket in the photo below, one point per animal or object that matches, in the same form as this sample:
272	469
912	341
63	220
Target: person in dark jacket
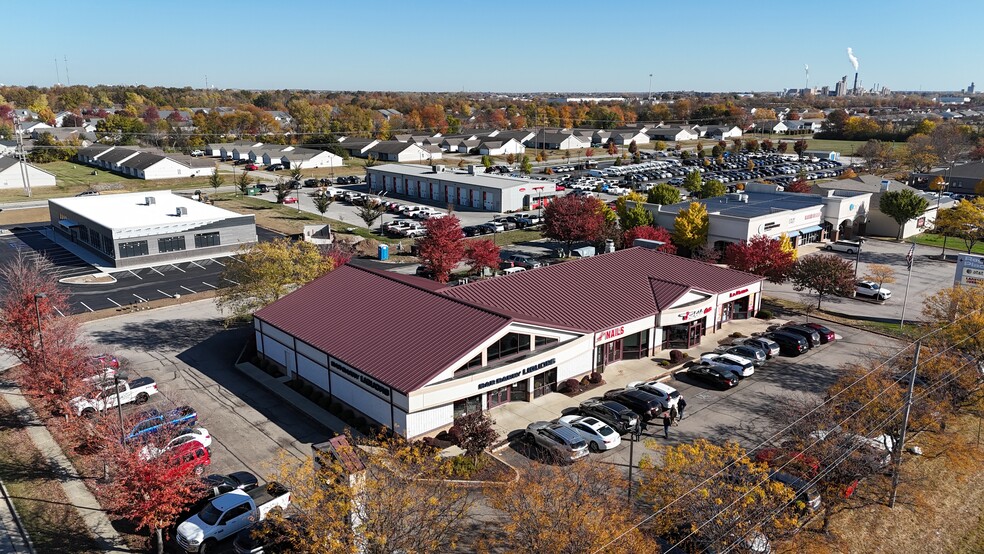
681	405
667	421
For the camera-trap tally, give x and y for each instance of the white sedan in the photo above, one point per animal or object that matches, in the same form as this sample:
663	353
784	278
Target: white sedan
199	434
597	434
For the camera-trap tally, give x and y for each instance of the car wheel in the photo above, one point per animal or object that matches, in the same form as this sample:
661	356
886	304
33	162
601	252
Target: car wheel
141	398
88	412
207	546
850	251
593	447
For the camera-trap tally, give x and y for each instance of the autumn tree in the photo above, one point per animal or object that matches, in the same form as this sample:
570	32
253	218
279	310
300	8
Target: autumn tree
442	247
902	206
958	313
370	211
693	183
525	166
767	145
384	495
760	255
964	221
482	254
663	194
612	148
150	492
633	148
824	274
800	147
880	273
629	217
215	180
265	272
281	190
564	510
474	432
691	226
920	154
648	232
711	496
712	188
570	219
783	147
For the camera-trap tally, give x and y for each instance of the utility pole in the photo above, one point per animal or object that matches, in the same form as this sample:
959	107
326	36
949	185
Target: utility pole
900	447
635	435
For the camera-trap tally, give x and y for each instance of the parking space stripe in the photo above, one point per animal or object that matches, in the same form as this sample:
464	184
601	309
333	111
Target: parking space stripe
154	269
199	265
87	307
140	298
164	293
230	280
187	289
135	275
178	268
209	285
218	262
59	311
114	302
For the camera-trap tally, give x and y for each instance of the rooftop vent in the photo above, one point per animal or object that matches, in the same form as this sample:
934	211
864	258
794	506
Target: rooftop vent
149	201
181	210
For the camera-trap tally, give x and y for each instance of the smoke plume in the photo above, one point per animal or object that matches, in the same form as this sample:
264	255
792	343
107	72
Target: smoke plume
852	57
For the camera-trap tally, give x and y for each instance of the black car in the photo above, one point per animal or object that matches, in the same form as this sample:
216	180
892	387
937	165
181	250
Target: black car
809	334
221	484
341	181
790	344
713	375
616	415
263	188
474	230
353	180
274	167
647	405
310	182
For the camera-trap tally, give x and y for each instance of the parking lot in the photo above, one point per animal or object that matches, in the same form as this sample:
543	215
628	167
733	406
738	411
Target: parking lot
131	286
741	413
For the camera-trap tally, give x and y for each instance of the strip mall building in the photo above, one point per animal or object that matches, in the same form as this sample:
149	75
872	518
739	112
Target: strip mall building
411	354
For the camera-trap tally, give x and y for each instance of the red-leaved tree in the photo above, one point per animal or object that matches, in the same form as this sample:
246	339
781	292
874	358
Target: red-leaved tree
442	247
23	281
649	232
151	493
574	218
762	256
481	254
799	185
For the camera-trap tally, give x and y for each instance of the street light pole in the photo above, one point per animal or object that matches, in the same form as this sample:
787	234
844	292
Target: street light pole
119	405
37	312
857	262
636	434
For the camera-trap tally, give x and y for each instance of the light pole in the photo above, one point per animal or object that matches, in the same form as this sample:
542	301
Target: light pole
636	434
119	405
857	261
382	215
37	312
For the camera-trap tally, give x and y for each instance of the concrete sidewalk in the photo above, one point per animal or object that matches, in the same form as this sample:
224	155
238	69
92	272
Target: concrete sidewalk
13	536
516	416
78	495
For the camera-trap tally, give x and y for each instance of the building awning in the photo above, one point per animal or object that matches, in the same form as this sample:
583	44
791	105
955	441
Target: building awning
67	223
793	234
813	229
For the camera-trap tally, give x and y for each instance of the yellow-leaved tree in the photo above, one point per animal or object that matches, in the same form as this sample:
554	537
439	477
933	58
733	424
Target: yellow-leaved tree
691	226
266	271
786	245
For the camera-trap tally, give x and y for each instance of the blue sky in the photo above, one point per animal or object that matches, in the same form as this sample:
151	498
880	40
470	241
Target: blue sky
423	45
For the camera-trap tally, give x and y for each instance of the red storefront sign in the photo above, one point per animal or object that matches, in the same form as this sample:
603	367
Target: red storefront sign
611	333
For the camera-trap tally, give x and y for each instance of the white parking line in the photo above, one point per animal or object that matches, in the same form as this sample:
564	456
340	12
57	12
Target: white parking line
164	293
187	289
230	280
218	262
154	269
59	312
201	266
135	275
209	285
140	299
178	268
87	307
114	302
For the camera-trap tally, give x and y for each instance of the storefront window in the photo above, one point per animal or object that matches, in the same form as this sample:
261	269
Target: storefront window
508	345
543	341
468	405
474	362
544	383
636	346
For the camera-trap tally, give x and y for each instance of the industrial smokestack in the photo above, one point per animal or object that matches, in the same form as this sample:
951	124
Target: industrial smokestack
855	83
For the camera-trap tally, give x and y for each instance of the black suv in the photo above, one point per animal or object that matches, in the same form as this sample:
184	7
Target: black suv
617	416
647	405
809	334
790	344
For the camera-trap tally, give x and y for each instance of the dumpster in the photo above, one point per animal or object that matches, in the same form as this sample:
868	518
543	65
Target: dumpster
251	191
384	252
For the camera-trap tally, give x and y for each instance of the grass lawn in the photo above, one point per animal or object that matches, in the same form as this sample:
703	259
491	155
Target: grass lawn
953	245
52	522
845	147
72	178
28	215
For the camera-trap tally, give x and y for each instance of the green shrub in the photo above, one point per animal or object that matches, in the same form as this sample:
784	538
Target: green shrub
764	314
465	466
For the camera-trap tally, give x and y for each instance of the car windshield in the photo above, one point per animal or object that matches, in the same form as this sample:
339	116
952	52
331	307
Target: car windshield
210	514
674	394
579	444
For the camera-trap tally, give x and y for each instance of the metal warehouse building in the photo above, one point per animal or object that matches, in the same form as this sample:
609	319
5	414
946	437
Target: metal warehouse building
142	228
463	188
428	352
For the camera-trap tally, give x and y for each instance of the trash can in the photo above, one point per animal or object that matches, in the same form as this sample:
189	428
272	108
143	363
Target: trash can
251	191
384	251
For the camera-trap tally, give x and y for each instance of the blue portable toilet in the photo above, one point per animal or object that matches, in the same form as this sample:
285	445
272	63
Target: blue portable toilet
384	251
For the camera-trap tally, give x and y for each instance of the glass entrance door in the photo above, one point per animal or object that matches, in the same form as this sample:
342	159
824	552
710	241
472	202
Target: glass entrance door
498	397
613	351
544	383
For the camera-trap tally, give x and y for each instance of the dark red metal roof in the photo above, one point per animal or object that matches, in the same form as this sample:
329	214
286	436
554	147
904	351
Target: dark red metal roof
401	334
600	292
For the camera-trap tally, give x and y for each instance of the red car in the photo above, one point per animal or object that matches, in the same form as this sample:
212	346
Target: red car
826	335
190	456
290	200
252	167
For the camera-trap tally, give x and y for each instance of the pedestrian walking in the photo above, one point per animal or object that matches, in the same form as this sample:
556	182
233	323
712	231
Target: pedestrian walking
643	425
666	425
674	415
681	405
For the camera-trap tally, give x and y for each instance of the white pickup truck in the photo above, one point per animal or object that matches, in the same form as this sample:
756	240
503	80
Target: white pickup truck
229	514
137	391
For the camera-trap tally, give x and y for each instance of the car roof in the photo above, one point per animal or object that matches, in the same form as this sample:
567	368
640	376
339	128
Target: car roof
565	432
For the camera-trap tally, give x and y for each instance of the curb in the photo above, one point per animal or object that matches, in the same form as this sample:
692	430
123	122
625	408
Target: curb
26	538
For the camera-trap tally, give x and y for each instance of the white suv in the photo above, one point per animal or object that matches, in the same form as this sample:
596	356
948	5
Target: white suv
848	246
872	290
